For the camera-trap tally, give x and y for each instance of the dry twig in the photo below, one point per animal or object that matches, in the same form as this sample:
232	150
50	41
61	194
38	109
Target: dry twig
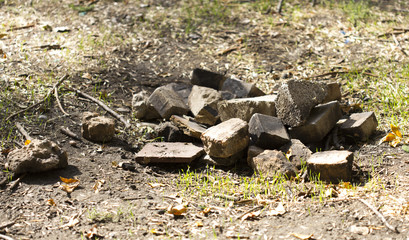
109	110
5	237
249	211
58	102
69	133
399	46
40	102
16	182
23	131
395	229
280	6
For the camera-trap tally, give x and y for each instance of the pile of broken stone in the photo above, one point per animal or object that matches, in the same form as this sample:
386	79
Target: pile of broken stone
222	121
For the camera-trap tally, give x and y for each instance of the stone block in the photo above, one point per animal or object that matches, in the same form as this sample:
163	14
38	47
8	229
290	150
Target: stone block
171	133
141	108
359	126
167	102
97	128
253	151
203	104
333	92
332	166
297	152
182	89
169	153
244	108
296	98
37	156
320	122
188	127
226	139
241	89
267	131
208	79
269	163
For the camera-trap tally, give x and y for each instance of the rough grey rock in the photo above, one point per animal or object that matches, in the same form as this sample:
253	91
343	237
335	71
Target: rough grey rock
267	131
241	89
169	153
244	108
320	122
333	92
37	156
188	127
182	89
141	108
97	128
171	133
297	152
295	100
272	162
359	126
203	104
206	78
253	151
332	166
226	139
167	102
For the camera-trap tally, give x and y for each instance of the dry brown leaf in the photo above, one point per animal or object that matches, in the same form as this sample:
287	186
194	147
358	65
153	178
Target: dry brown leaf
155	185
69	187
87	76
69	180
73	221
177	210
206	211
92	233
51	202
302	236
98	184
278	211
251	216
199	224
2	35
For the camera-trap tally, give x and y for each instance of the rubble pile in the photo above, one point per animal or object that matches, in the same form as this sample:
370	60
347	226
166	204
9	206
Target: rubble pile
228	120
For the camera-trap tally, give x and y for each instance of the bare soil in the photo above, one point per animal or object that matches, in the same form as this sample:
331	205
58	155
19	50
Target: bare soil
119	48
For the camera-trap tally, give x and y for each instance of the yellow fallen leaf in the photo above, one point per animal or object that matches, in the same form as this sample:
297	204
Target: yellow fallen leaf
346	185
206	211
199	224
395	142
28	141
396	131
155	185
302	236
69	180
388	138
177	210
69	187
51	202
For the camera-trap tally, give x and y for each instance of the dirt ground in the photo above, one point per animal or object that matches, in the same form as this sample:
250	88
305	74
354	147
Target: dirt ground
117	49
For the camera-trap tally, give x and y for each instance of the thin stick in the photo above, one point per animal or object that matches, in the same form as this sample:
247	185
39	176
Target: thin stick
40	102
399	46
395	229
5	237
341	72
69	133
280	5
249	211
23	131
59	103
7	224
109	110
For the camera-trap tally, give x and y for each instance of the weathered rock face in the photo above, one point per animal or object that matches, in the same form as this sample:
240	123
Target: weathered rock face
97	128
167	102
169	153
38	156
295	100
226	139
244	108
320	122
171	133
203	104
272	162
332	166
267	131
141	108
297	152
333	92
188	127
241	89
359	126
206	78
182	89
253	151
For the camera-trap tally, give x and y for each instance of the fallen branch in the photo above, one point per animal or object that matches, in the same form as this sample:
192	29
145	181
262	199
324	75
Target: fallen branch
69	133
5	237
7	224
59	103
22	131
280	6
40	102
109	110
395	229
341	72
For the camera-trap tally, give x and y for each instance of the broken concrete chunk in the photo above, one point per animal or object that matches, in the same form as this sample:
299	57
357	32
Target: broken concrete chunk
244	108
37	156
332	166
241	89
295	100
226	139
267	131
253	151
272	162
167	102
188	127
171	133
203	104
97	128
297	152
183	89
320	122
141	108
169	153
333	92
208	79
359	126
